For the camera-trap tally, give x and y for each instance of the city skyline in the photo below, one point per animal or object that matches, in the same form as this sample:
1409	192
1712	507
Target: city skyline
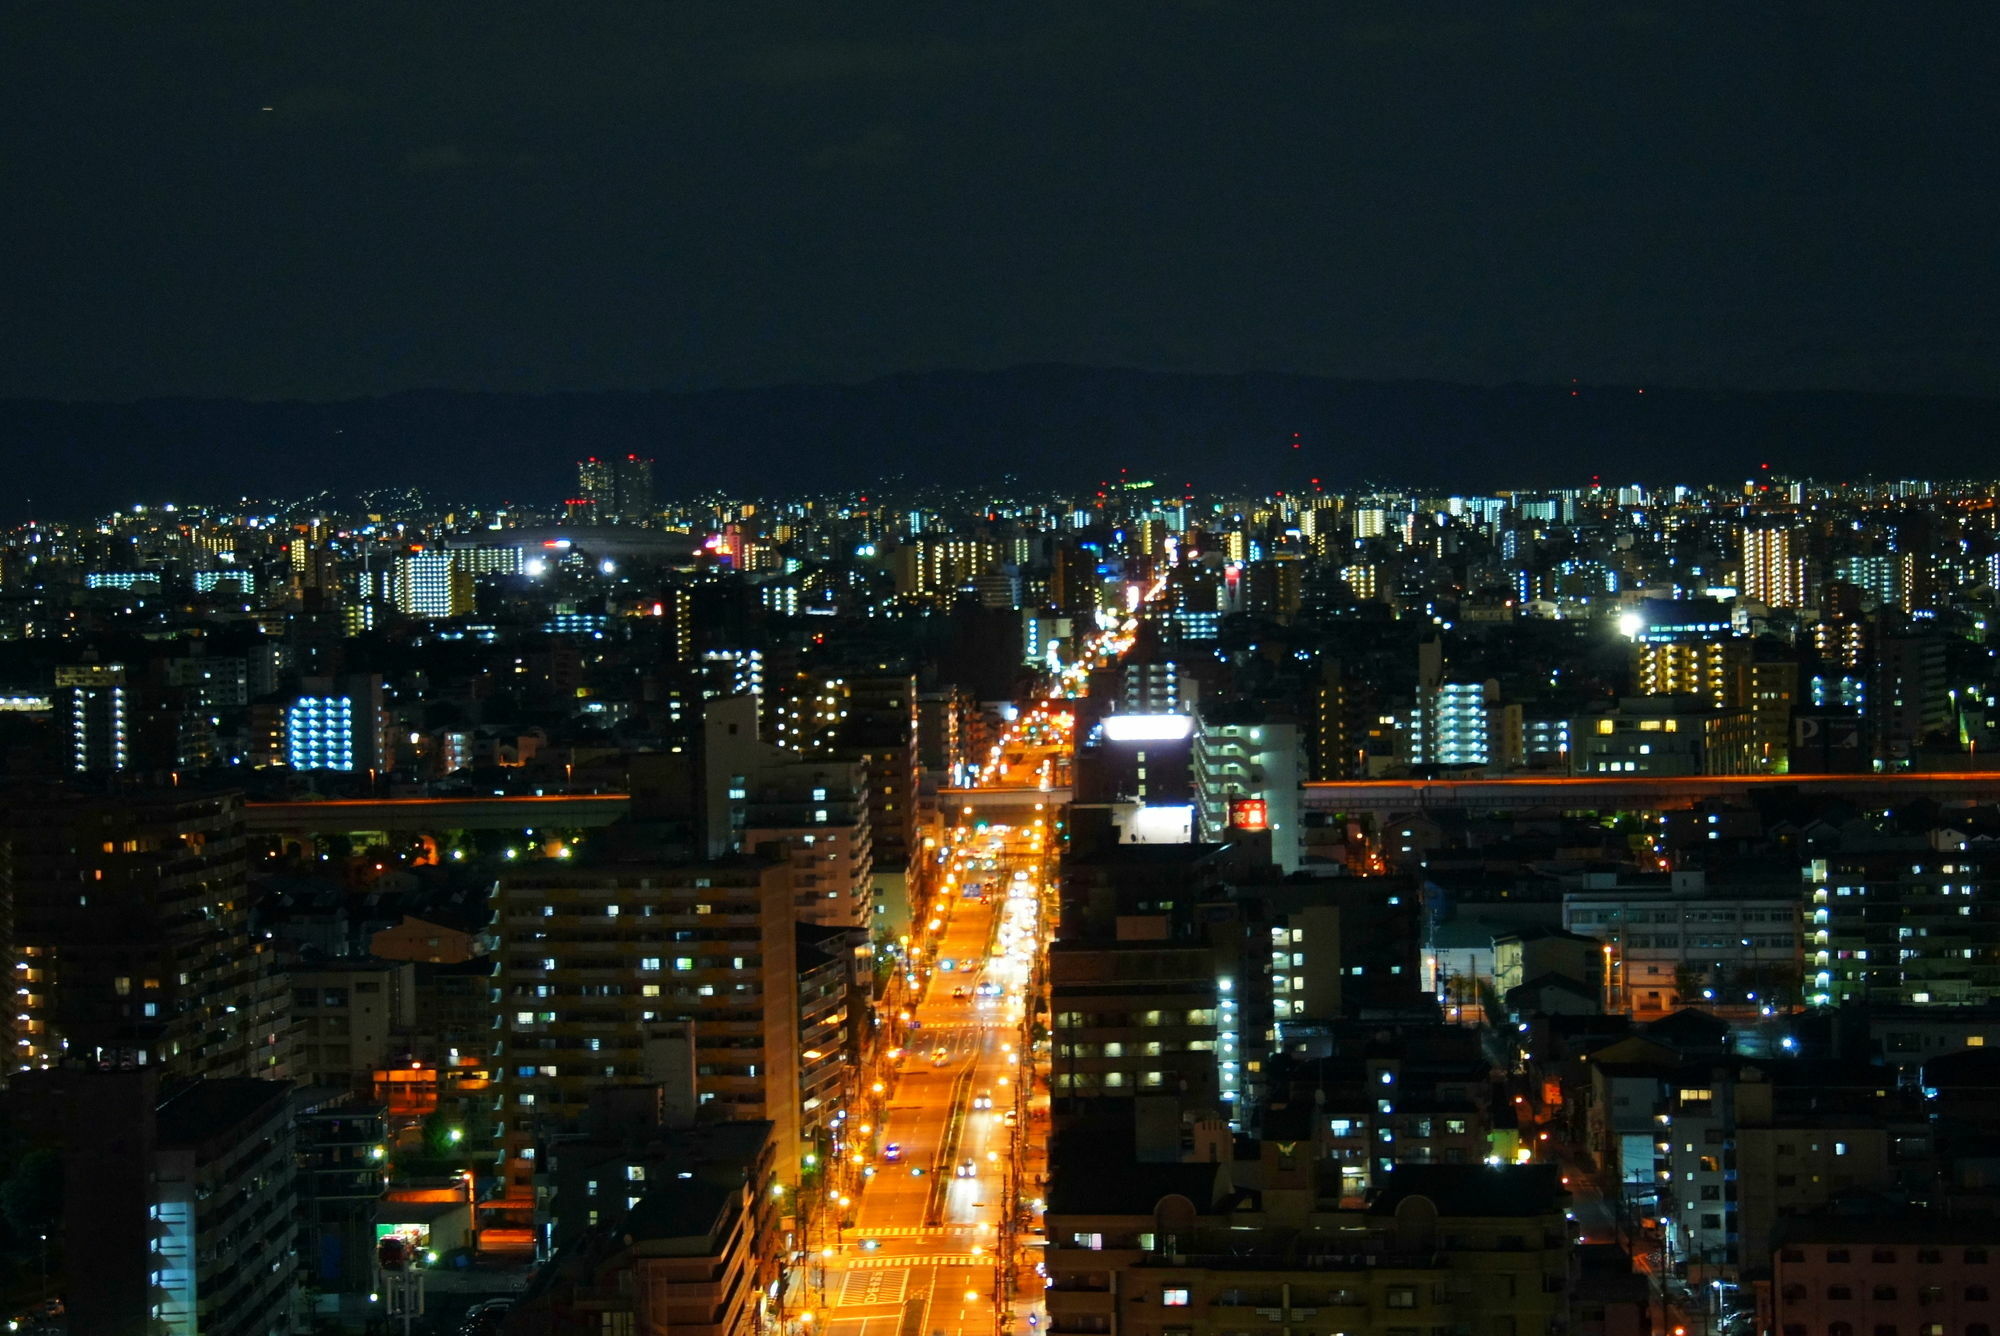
1151	668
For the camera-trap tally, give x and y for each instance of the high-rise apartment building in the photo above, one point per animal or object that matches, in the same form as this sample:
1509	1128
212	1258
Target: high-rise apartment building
97	705
619	490
878	727
1728	673
1462	723
601	966
1247	772
1774	565
431	584
1440	1248
177	1213
336	723
132	939
1914	926
733	672
1907	695
939	566
1877	575
817	811
1705	668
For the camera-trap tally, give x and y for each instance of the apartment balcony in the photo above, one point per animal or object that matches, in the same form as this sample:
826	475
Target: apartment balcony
1071	1300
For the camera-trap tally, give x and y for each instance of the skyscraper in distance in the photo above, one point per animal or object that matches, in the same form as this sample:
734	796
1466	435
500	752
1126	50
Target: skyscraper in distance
619	490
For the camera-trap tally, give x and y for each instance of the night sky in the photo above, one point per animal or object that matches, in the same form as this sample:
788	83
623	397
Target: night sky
322	199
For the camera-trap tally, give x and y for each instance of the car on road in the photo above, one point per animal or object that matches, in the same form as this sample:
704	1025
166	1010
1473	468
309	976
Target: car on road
989	989
983	1100
1010	1118
937	1058
958	995
967	1169
893	1151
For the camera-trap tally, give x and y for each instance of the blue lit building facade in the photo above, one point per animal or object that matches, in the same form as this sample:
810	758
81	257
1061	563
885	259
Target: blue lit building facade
336	724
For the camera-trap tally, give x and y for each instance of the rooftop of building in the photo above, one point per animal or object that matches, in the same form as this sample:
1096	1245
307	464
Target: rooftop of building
1096	1173
1143	855
1562	983
1474	1190
619	1130
1871	1221
1543	932
350	965
679	1208
1974	1068
203	1110
826	941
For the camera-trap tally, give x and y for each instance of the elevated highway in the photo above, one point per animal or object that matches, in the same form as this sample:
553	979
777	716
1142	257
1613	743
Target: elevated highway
955	801
579	811
1634	793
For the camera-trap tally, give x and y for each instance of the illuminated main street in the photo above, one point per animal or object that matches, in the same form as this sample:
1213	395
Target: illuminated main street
946	1233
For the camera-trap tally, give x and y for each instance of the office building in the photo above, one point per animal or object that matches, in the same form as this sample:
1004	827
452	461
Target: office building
1665	735
1674	940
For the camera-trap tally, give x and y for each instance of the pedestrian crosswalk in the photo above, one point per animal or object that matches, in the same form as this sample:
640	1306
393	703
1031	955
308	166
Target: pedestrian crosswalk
915	1231
859	1289
920	1259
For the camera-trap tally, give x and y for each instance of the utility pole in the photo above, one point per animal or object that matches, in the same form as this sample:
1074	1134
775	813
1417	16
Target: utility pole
400	1282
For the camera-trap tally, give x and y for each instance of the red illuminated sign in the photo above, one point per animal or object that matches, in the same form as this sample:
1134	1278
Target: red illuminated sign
1249	814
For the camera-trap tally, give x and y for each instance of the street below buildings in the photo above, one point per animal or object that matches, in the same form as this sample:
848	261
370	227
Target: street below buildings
944	1237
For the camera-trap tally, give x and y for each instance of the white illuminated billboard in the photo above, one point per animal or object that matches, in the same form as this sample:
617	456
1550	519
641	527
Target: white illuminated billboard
1147	727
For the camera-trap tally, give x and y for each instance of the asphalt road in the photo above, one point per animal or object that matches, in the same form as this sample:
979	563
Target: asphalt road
922	1258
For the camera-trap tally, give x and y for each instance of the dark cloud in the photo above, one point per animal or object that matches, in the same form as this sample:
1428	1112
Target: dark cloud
329	200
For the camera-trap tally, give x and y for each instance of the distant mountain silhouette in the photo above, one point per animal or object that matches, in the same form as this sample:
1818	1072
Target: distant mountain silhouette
1053	427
